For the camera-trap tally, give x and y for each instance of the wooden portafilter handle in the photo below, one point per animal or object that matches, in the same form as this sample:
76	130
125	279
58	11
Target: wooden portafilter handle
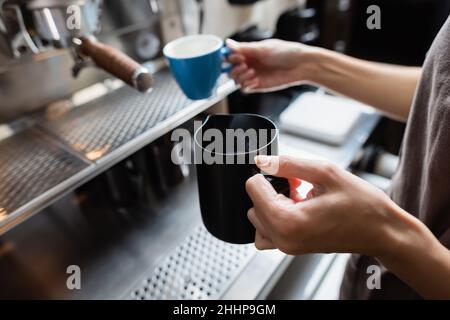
117	63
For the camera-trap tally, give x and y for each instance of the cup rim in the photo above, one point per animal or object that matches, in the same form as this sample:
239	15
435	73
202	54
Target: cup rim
194	36
237	153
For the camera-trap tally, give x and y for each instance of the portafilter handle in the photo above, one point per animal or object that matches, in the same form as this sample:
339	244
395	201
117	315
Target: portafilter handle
116	63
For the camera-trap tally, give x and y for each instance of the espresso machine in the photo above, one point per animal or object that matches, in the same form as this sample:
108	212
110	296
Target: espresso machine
45	45
96	186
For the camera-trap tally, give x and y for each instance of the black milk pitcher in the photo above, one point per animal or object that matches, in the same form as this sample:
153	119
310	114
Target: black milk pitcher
225	147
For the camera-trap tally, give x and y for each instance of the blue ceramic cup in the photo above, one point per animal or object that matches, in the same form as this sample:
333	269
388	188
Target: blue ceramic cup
197	62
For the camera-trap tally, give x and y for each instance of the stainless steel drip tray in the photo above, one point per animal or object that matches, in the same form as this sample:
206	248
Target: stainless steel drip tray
31	169
104	126
201	267
44	162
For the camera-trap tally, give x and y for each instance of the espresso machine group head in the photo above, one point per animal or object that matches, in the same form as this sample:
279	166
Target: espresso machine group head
35	26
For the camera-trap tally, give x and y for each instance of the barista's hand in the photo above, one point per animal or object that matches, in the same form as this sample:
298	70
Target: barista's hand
270	64
346	214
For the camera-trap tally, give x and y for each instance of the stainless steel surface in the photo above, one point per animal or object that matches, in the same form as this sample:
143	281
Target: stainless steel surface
303	278
201	267
51	22
106	124
14	37
104	132
33	4
259	276
30	166
118	15
33	82
116	253
34	74
113	250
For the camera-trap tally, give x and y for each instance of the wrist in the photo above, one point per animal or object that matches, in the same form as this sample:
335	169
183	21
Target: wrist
416	256
401	237
313	61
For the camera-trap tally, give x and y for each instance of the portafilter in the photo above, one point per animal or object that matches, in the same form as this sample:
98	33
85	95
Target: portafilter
72	24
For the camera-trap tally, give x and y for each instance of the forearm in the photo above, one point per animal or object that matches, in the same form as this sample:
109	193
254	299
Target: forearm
388	88
416	256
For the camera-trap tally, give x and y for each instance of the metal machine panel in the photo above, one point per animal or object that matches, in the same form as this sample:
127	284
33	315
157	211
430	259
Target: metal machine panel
30	165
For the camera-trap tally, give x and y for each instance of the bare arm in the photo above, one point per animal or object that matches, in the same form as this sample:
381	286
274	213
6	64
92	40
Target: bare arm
389	88
273	64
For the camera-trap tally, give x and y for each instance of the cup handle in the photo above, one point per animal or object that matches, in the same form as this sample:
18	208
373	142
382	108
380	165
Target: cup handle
225	51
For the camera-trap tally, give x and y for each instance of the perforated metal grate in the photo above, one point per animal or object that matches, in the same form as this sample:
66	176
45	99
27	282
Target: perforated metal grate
202	267
29	166
105	124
